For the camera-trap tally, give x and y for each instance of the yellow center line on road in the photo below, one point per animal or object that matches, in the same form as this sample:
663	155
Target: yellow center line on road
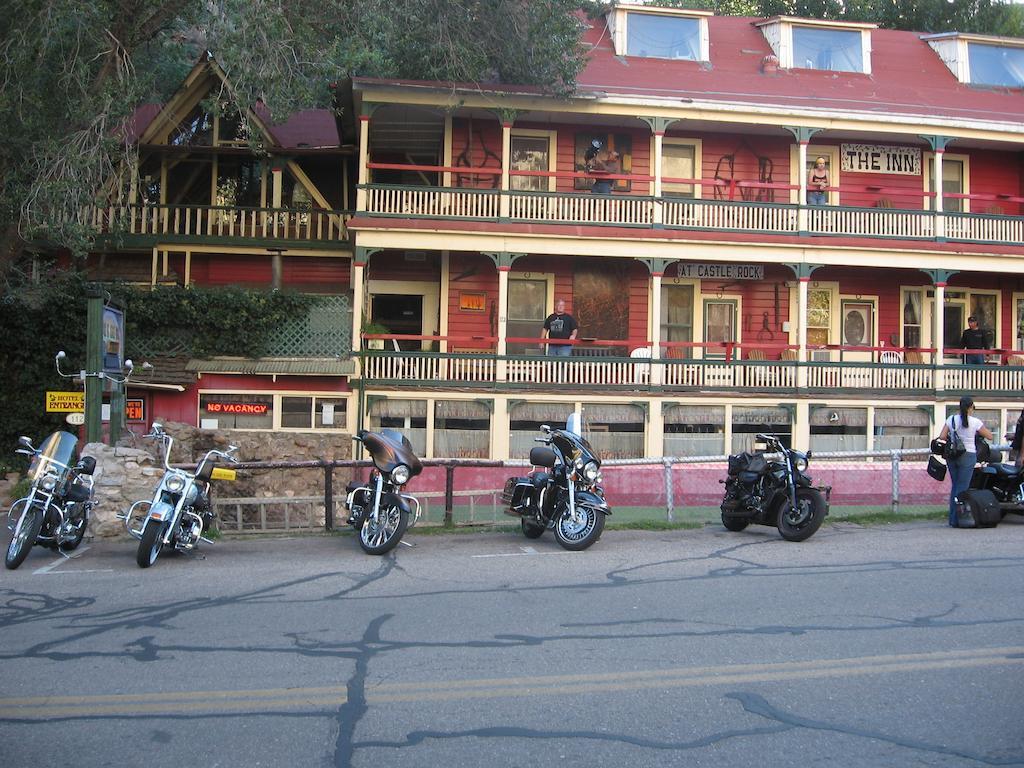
332	697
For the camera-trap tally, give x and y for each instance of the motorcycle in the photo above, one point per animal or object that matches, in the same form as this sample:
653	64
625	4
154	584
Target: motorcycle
179	512
771	487
1004	481
564	493
379	511
55	513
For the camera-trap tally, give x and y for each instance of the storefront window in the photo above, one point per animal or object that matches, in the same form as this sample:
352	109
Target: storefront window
694	430
901	428
312	413
615	430
525	420
749	421
839	429
407	416
236	411
462	429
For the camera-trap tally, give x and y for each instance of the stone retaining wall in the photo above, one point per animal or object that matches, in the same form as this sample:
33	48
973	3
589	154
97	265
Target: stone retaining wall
127	473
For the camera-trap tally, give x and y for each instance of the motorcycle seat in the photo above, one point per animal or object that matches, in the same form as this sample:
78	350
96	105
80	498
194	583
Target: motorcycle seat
540	479
1002	470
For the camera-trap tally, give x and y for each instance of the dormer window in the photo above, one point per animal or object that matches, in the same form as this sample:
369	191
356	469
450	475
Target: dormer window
981	59
825	45
996	65
659	33
836	50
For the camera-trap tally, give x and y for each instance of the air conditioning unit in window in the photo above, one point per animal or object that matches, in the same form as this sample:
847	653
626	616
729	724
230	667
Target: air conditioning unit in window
821	356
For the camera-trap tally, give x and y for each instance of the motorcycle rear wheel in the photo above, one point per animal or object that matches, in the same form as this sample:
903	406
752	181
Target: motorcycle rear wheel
25	534
800	524
532	530
150	544
381	535
576	535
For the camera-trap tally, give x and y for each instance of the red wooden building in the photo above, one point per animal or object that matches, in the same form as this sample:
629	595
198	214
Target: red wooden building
715	296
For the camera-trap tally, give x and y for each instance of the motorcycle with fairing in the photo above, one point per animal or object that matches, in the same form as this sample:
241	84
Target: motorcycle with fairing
379	512
772	487
55	513
563	493
179	513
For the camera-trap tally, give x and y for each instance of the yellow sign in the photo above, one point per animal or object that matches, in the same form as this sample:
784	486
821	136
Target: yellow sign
65	402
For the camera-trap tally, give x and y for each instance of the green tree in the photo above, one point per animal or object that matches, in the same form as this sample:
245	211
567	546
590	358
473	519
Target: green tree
72	71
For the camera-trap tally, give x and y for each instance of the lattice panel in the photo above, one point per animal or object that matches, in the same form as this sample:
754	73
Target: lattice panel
326	331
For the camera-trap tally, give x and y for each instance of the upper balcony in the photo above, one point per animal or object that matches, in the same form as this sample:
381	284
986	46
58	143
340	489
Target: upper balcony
145	225
727	209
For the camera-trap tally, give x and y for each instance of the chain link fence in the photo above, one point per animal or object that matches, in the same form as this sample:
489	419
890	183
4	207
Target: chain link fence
669	489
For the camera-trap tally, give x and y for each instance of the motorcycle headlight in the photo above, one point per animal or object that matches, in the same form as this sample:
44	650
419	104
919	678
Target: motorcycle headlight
591	471
48	482
175	483
800	462
400	475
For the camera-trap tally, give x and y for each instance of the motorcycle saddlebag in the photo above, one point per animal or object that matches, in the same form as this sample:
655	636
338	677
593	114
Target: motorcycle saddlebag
516	492
982	506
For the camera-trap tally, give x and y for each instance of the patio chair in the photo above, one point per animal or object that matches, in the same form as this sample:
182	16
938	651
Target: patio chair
641	371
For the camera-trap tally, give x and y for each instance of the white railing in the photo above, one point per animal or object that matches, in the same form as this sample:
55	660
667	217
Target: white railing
640	373
639	211
430	201
996	229
875	222
207	221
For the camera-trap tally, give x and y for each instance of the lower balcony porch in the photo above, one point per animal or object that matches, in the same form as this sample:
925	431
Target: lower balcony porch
877	378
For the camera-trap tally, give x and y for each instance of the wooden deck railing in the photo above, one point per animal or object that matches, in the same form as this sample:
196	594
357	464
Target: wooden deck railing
574	208
217	221
764	376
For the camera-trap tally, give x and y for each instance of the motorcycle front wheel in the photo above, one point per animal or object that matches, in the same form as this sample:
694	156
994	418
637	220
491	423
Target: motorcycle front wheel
381	533
800	523
580	531
25	533
151	543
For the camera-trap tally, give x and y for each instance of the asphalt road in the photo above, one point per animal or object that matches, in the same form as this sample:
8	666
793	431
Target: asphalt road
898	645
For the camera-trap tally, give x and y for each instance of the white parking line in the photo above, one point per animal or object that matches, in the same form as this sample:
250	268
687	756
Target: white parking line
527	551
61	560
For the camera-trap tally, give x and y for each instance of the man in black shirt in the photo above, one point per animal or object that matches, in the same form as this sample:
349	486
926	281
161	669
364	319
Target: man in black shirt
973	338
560	325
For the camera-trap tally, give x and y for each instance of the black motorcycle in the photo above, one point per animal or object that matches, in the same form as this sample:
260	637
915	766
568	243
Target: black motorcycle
1004	481
55	513
380	512
563	494
771	487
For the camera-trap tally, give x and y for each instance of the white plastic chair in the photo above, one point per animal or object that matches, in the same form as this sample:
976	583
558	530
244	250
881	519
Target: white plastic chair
641	371
891	357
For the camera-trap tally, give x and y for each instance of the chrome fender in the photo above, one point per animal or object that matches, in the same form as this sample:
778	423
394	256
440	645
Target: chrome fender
591	499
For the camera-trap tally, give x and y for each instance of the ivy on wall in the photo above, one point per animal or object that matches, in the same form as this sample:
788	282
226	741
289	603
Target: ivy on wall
39	318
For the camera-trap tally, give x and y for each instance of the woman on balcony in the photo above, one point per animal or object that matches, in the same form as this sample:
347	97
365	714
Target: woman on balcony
601	168
818	183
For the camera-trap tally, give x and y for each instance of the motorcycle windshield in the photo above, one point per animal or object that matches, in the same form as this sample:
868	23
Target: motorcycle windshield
570	444
389	448
57	451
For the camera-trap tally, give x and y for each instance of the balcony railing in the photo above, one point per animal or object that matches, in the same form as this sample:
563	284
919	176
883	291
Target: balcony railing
218	221
640	211
871	379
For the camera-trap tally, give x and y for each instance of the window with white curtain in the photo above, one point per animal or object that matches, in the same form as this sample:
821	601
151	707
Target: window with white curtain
996	65
835	50
662	37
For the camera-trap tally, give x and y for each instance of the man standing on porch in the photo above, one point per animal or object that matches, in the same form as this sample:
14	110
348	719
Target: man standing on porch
973	337
560	325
